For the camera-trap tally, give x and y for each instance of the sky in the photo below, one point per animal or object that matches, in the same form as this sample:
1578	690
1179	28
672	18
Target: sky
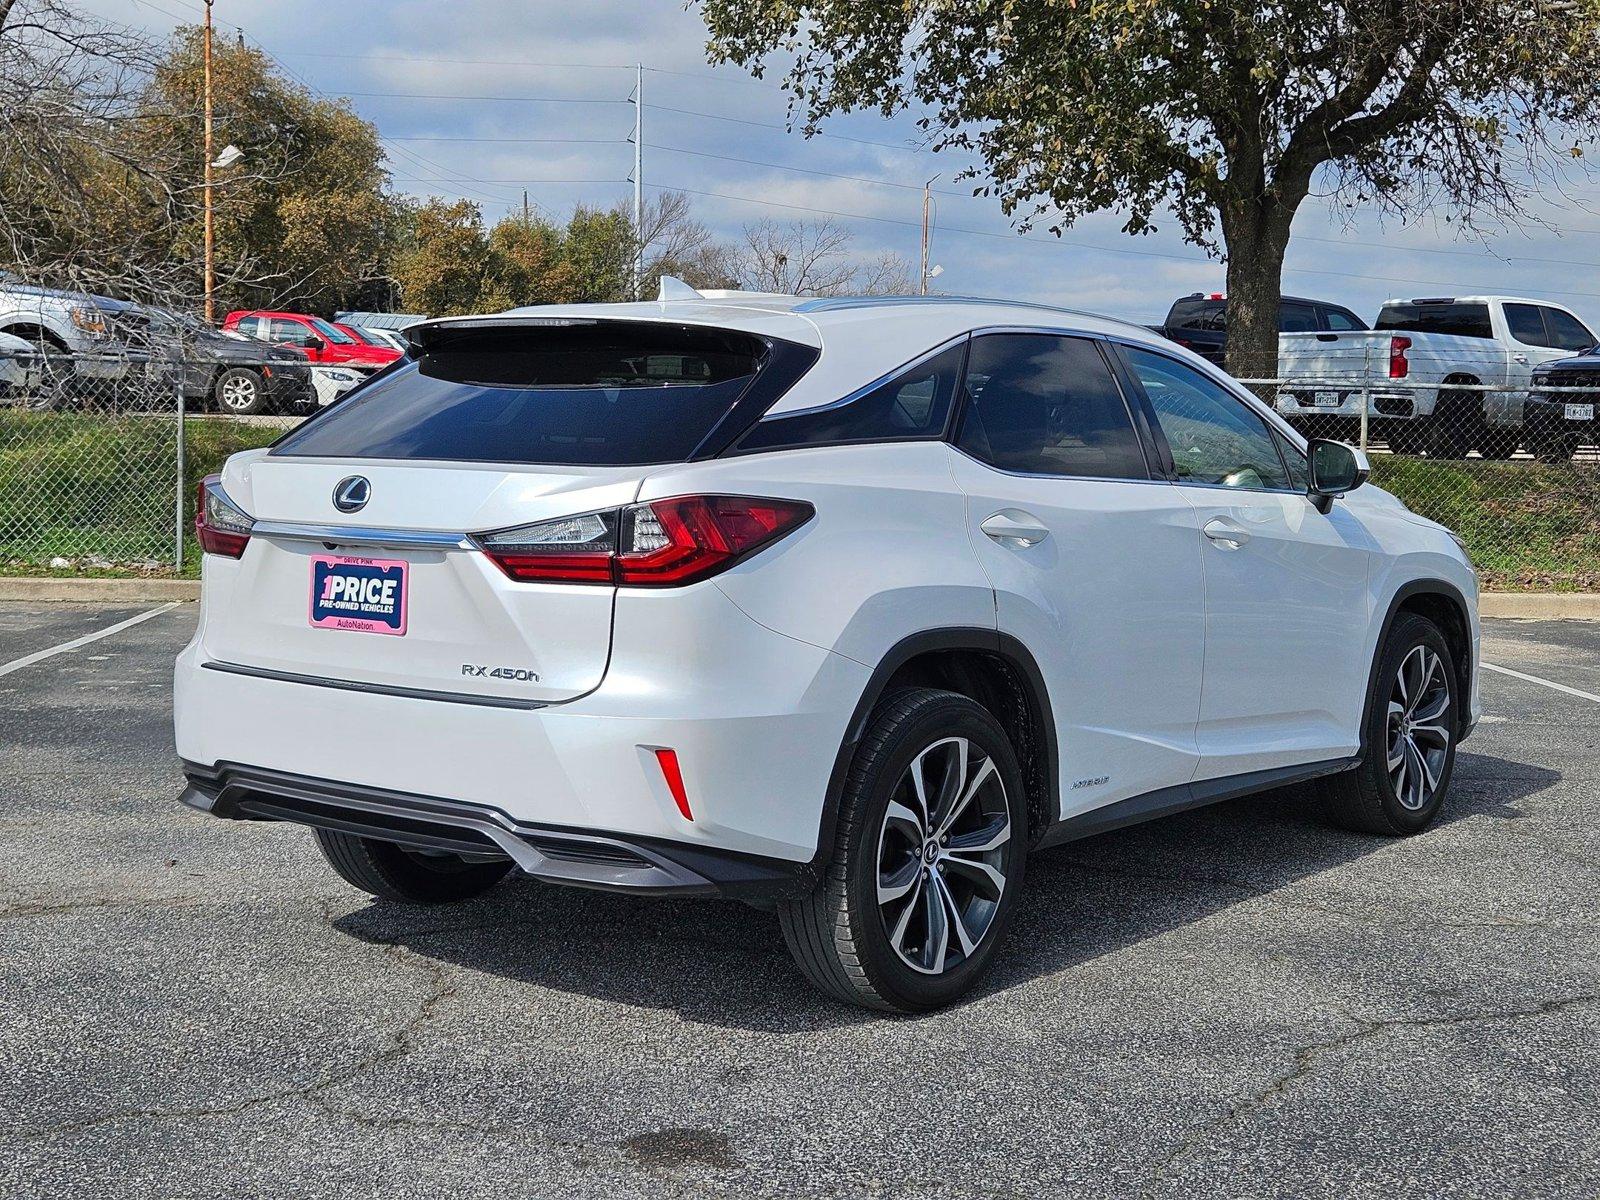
483	98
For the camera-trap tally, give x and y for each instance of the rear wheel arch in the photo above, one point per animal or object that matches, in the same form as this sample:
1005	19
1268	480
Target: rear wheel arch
995	670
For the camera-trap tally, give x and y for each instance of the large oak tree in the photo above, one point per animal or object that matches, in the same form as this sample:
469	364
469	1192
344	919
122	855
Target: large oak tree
1223	113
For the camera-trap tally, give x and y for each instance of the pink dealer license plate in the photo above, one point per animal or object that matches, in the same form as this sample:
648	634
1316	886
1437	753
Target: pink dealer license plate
367	595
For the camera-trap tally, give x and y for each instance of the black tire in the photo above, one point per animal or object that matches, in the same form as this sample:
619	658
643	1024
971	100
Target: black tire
1456	422
839	935
1554	447
1499	445
1366	800
391	872
1407	437
240	392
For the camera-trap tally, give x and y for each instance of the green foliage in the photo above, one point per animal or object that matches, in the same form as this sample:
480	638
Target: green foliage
1223	112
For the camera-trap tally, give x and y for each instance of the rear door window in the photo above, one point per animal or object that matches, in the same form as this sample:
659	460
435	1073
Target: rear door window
603	393
1526	322
913	405
1294	317
1040	404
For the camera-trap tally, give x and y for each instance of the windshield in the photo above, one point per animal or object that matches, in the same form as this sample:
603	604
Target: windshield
1462	320
602	394
332	334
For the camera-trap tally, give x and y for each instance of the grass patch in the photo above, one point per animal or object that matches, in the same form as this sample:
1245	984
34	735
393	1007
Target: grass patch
100	490
1529	527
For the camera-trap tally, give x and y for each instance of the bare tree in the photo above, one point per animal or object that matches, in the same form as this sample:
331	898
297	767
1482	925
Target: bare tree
813	258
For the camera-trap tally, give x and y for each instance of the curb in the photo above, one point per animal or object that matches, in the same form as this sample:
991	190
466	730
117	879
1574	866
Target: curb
99	591
1541	606
1528	606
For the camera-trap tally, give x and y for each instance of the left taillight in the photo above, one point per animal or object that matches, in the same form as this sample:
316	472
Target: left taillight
663	543
220	526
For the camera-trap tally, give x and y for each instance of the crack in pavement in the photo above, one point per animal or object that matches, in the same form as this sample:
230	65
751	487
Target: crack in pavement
1309	1057
394	1044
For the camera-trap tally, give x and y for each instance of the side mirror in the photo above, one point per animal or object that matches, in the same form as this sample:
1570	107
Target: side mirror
1335	469
313	342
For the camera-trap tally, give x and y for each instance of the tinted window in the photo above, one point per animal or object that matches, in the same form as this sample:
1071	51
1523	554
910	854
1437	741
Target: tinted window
914	404
332	334
1566	331
610	393
1047	405
1342	321
249	326
1214	436
1463	320
287	331
1297	318
1196	313
1526	324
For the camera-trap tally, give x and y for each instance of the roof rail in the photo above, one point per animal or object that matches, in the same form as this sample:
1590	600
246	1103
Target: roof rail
835	303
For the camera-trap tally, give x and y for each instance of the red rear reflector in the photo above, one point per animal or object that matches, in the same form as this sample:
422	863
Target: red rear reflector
668	760
1399	365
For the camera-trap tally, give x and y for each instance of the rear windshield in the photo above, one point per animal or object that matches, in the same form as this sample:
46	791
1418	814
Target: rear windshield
584	394
1463	320
1195	313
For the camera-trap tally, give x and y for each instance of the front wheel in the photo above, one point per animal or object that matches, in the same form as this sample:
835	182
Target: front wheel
239	392
927	859
1410	740
392	872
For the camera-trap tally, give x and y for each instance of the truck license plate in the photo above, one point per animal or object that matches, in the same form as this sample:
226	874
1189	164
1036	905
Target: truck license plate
1325	399
1580	412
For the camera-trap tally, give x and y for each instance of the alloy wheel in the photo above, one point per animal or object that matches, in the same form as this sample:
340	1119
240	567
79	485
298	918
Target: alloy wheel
239	392
941	855
1419	733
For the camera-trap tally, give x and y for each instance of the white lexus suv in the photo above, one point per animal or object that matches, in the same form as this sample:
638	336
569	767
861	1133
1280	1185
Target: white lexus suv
838	606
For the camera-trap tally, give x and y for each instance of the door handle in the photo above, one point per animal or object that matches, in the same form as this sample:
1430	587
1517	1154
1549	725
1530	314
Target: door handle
1520	358
1015	526
1225	534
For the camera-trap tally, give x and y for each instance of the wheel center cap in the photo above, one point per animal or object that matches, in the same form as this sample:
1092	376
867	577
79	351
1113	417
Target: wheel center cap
930	852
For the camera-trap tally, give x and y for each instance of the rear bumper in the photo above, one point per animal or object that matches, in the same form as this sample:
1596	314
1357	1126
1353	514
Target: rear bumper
577	858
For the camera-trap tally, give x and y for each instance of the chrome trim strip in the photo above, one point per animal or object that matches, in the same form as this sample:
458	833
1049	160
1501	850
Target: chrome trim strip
378	689
364	535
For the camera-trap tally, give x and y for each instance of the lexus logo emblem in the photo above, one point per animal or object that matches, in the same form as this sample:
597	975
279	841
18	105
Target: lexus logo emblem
352	494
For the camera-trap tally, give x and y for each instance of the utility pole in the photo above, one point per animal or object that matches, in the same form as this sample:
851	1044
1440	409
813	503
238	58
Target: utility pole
638	179
525	220
211	278
927	199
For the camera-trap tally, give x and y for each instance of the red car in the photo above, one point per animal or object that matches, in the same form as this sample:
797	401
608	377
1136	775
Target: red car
324	342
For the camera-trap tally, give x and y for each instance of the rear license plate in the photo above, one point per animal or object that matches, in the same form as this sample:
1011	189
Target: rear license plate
1580	412
1325	399
366	595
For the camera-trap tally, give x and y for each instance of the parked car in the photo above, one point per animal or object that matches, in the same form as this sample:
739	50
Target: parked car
377	337
1199	321
1487	346
240	375
21	376
323	342
1556	423
106	339
332	383
837	605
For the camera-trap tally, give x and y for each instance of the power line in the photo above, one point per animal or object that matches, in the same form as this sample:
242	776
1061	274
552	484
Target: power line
421	137
484	99
1014	237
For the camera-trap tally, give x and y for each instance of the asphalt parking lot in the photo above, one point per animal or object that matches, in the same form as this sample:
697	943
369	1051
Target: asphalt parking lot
1236	1001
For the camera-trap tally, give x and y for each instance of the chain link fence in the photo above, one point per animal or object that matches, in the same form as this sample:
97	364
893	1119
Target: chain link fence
99	456
1515	472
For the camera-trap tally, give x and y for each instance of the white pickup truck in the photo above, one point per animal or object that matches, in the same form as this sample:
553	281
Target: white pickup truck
1446	375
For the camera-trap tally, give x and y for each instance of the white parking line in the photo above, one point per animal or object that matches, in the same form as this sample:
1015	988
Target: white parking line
27	660
1558	687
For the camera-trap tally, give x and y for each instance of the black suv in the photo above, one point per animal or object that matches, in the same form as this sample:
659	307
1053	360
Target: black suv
1199	321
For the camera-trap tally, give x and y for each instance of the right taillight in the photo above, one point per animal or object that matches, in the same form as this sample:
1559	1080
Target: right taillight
663	543
220	526
1399	365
